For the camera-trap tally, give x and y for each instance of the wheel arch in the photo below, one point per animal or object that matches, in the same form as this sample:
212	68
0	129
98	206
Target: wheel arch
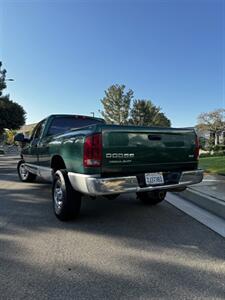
57	163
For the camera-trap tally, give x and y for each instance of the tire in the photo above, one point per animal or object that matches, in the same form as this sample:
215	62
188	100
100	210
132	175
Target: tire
24	175
152	198
66	201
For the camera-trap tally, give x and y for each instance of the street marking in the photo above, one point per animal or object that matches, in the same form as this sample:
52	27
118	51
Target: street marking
210	220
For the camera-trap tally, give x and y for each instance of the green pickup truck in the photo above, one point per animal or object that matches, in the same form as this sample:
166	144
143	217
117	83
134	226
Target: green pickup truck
82	155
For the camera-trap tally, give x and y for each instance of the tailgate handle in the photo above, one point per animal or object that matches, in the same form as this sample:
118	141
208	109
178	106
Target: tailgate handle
154	137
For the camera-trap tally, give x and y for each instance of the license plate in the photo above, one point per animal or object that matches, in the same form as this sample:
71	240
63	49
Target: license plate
153	178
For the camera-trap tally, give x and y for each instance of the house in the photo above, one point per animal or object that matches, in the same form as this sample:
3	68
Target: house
27	129
218	138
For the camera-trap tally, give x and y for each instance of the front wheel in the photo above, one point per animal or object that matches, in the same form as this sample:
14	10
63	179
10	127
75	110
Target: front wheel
152	198
23	173
66	201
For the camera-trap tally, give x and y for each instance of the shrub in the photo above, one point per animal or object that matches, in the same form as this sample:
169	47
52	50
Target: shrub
217	148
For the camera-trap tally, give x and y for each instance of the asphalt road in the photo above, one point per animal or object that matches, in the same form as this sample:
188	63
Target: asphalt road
118	249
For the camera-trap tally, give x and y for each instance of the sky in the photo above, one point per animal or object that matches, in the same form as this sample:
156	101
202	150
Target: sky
63	55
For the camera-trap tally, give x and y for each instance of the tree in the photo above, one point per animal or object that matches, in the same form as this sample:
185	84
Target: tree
9	136
116	104
12	115
144	112
2	79
212	122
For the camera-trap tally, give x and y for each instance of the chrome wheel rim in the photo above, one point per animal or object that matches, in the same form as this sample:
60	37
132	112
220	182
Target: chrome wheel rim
58	196
23	172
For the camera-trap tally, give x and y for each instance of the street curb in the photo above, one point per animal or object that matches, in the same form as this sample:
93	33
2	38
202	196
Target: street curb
212	204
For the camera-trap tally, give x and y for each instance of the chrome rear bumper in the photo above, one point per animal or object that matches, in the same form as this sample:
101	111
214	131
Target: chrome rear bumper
94	185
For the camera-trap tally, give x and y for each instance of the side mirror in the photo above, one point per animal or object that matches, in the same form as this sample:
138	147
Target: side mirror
19	137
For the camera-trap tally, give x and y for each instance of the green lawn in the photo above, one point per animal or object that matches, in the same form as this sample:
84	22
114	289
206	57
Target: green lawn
213	164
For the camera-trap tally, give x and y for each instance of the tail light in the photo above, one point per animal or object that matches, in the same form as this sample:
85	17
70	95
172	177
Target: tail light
93	151
197	147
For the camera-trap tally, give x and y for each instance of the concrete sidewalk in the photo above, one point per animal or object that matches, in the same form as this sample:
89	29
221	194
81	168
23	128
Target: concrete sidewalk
212	185
209	194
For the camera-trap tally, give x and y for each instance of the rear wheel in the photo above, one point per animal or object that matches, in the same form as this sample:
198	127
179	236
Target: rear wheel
23	173
152	198
66	201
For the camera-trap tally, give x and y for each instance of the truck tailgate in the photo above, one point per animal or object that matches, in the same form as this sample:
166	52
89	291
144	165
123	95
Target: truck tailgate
132	150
